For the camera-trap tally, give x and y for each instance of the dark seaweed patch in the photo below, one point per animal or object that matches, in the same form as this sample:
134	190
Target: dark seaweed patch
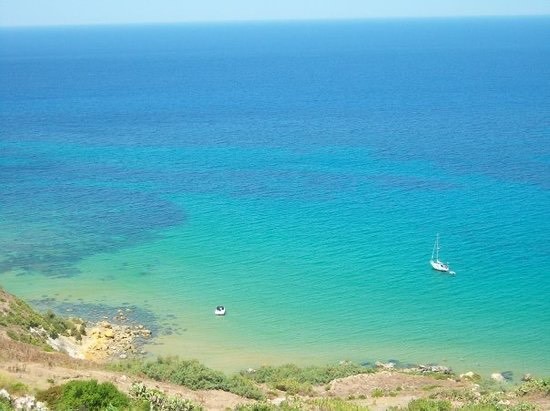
69	223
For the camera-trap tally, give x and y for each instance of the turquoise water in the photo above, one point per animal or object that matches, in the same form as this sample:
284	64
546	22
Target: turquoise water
296	173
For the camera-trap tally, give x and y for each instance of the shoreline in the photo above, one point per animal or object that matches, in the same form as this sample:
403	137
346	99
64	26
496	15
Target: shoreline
111	352
106	343
208	351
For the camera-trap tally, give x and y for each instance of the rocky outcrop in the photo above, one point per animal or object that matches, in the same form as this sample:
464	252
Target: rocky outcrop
26	402
106	341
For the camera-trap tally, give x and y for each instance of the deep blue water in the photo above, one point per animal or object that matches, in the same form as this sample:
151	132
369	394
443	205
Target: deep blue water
296	172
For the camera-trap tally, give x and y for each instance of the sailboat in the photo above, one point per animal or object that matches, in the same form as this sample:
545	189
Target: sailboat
435	262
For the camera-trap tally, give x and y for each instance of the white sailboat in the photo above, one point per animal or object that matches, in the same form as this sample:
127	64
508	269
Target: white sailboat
435	262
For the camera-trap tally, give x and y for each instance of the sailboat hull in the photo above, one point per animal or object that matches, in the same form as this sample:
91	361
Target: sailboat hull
439	266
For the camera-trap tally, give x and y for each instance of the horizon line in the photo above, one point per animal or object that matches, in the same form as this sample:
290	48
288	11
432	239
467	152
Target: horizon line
275	20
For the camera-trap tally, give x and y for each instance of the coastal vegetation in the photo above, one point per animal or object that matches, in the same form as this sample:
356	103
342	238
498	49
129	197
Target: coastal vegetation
288	378
172	383
191	374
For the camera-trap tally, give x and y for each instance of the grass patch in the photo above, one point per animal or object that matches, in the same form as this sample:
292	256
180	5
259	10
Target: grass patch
317	404
12	385
462	395
296	380
335	404
264	406
479	407
430	387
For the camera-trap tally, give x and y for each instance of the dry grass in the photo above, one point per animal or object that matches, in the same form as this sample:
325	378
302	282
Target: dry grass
15	351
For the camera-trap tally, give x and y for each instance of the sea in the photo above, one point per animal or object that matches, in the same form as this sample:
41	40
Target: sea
296	173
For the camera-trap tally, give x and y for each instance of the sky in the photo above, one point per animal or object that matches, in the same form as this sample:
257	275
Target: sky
79	12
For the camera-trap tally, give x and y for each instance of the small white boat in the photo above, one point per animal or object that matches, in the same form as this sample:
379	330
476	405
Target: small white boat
220	310
435	262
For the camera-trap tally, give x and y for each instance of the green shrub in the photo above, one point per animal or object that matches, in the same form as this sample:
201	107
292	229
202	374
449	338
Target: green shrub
239	385
84	395
293	387
377	393
5	404
51	396
429	405
13	335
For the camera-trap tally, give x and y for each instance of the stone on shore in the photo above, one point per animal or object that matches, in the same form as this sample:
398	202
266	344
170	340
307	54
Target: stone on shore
471	376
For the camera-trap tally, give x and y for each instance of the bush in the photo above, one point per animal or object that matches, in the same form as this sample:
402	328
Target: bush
534	386
84	395
429	405
293	387
377	393
5	404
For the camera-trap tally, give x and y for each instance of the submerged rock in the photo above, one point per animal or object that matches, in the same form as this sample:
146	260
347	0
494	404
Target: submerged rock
508	375
498	377
527	377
